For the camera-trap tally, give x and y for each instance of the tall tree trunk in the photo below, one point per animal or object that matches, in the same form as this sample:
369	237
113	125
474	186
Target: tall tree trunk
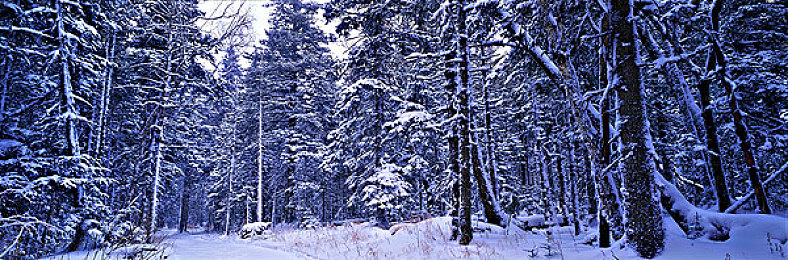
464	122
544	170
450	74
609	202
230	191
158	157
97	139
70	113
158	129
606	188
287	212
644	223
717	174
491	162
67	102
738	119
275	198
260	159
589	182
484	182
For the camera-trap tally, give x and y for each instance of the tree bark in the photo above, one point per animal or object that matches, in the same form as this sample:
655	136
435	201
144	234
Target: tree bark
491	162
609	207
260	158
464	122
717	176
454	142
183	221
491	211
738	119
644	225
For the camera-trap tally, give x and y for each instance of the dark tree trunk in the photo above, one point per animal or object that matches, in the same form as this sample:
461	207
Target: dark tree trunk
717	177
738	122
606	195
287	214
454	142
605	186
464	122
573	189
79	238
491	162
644	226
488	201
183	221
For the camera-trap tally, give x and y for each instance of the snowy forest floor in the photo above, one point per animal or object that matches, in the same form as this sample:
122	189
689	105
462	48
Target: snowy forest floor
430	239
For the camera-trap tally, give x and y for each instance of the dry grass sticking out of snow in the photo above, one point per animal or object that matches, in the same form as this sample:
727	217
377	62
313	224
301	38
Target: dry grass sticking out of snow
431	239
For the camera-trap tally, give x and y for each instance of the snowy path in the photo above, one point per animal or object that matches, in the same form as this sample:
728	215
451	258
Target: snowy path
195	247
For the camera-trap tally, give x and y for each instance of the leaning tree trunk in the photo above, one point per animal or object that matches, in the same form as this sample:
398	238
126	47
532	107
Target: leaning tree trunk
675	77
644	224
717	176
490	205
738	123
484	182
712	141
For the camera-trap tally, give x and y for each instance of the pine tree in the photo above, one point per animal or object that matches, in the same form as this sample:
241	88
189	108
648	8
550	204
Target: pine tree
293	77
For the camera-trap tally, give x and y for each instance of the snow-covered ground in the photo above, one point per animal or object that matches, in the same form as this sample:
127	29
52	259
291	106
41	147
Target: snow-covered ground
197	247
430	239
188	247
